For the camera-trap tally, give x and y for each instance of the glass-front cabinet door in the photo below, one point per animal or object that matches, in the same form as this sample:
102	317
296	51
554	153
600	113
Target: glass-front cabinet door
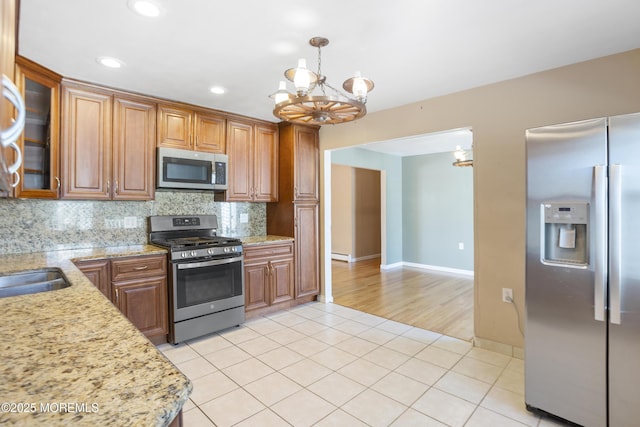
39	173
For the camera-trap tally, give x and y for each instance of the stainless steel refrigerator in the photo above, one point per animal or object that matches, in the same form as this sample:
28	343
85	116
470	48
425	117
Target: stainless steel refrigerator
582	340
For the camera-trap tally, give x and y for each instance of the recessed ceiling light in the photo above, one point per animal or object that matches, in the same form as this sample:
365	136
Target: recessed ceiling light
110	62
146	8
217	90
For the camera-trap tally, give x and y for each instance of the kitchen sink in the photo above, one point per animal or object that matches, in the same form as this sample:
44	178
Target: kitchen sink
32	282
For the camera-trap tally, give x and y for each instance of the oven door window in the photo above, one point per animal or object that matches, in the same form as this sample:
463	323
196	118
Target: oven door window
208	281
186	170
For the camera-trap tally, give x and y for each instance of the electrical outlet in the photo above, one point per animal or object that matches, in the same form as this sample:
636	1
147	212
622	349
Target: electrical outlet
244	218
507	295
461	246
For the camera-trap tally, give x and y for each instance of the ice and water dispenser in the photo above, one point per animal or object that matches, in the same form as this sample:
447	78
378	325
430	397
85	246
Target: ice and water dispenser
564	237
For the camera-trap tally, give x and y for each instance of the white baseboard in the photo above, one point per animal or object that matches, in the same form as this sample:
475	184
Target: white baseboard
362	258
341	257
427	267
324	299
349	258
391	266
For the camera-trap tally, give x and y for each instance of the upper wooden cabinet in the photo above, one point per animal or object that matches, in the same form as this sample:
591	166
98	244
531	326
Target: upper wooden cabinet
86	143
299	162
253	162
134	134
39	143
107	145
180	127
209	133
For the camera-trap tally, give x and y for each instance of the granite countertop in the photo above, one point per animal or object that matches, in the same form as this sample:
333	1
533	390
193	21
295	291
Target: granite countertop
70	357
262	240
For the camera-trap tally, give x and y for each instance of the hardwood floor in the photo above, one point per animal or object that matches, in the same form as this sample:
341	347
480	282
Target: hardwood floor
440	302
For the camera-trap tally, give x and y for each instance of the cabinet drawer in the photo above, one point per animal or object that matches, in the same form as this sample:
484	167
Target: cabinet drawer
141	266
268	250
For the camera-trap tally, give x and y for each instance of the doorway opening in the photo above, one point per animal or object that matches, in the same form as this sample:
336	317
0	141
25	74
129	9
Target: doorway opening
422	273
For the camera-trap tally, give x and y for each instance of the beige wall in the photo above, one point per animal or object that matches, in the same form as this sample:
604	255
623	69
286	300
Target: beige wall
355	211
367	214
342	206
499	114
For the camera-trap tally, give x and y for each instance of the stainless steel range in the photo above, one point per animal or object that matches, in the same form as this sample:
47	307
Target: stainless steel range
206	275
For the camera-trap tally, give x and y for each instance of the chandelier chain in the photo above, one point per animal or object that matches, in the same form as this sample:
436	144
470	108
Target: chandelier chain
320	78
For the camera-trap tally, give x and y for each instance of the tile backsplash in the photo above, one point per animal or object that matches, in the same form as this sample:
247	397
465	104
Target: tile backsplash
43	225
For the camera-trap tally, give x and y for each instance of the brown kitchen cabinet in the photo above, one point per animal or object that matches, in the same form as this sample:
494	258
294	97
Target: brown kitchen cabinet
39	143
137	285
253	162
301	155
134	154
139	290
97	271
296	212
107	144
187	129
306	235
269	275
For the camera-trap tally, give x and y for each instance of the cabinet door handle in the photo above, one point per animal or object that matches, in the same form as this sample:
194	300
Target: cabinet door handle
16	181
58	183
196	140
108	187
12	94
142	267
117	295
115	189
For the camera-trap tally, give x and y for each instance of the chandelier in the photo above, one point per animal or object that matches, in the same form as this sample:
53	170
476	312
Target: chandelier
329	106
461	157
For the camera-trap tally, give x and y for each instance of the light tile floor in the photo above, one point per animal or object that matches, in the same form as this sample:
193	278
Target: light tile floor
328	365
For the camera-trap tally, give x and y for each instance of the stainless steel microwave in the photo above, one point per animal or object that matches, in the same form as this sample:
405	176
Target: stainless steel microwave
191	170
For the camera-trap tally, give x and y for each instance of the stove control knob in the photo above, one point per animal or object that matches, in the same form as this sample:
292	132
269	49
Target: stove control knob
193	253
183	254
226	250
210	251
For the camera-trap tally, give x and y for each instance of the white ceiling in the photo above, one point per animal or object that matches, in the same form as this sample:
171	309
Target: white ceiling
437	142
412	49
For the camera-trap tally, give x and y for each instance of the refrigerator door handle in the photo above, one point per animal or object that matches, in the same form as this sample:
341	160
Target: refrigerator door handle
600	231
615	243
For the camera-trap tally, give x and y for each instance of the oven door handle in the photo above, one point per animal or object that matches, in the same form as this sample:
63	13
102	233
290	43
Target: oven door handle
182	266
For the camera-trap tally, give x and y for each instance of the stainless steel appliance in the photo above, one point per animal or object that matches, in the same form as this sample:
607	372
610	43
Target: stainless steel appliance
582	345
192	170
206	275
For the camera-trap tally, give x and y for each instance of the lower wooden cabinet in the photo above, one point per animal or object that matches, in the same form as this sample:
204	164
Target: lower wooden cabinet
307	249
144	303
97	271
137	285
269	275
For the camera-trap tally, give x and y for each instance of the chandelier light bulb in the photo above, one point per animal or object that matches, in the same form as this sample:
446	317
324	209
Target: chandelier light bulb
360	88
459	154
281	94
302	77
